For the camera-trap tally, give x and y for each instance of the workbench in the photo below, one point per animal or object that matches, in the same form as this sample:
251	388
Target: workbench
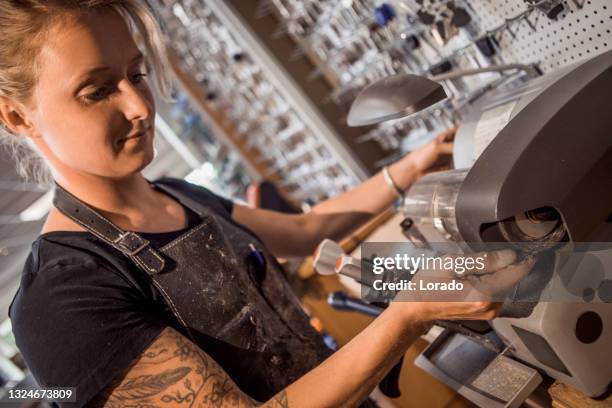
419	389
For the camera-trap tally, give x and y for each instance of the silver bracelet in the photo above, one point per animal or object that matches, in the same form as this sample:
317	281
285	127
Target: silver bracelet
391	183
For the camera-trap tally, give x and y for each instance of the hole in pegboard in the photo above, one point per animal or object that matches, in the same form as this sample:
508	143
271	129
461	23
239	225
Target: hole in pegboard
554	42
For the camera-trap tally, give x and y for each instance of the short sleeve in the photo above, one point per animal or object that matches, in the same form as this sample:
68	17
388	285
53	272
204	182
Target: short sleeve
225	203
80	325
203	195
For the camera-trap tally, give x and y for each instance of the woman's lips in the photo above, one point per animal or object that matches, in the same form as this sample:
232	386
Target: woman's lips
138	135
134	137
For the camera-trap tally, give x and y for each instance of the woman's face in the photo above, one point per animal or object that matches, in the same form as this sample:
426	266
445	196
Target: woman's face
92	111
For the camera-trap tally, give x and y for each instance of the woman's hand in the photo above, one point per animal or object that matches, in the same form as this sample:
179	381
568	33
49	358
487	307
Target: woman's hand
431	156
483	289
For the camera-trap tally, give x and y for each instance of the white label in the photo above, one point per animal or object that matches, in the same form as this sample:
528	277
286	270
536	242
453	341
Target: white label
490	124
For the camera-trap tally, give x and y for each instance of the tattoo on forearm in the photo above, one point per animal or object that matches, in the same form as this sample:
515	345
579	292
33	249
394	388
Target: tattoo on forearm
174	372
279	401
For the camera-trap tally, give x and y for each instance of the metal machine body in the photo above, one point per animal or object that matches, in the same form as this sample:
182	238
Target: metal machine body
554	152
544	146
533	164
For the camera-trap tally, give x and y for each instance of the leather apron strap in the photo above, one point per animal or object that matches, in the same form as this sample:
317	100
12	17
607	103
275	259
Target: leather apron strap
129	243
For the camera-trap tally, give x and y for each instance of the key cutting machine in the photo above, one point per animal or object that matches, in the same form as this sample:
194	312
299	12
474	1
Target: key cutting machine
532	167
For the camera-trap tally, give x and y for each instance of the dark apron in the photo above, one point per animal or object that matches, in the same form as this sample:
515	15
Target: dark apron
246	318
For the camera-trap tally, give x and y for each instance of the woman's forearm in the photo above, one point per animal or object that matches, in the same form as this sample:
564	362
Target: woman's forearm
337	217
373	195
347	377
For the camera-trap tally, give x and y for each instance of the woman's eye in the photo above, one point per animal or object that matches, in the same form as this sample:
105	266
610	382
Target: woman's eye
137	78
98	94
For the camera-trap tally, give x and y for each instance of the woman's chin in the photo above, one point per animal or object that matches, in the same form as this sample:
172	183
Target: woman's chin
142	152
136	162
146	159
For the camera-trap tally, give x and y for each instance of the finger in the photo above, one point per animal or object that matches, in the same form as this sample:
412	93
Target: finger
446	135
434	273
479	263
502	280
492	261
480	310
445	148
496	306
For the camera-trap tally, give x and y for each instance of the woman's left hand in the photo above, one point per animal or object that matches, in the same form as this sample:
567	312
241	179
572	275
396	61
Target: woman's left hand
433	155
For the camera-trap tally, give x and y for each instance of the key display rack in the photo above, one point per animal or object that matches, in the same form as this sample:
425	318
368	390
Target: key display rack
297	137
289	145
188	148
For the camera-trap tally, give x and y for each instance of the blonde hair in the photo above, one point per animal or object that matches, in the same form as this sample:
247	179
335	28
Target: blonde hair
23	25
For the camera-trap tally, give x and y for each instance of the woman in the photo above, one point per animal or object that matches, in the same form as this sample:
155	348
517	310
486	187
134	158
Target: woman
163	294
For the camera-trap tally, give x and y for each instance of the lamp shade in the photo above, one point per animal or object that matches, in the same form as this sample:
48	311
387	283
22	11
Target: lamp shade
394	97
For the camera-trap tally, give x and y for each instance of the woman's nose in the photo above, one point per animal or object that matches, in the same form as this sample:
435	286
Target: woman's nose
137	104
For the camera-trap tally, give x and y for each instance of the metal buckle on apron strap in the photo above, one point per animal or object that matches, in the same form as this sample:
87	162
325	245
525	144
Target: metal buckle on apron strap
138	249
130	243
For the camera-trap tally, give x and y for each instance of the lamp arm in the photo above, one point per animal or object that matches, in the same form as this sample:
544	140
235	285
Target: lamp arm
531	71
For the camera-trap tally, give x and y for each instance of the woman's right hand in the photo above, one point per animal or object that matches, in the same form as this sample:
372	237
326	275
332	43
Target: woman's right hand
483	290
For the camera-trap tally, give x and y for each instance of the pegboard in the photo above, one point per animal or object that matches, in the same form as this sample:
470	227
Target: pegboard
578	33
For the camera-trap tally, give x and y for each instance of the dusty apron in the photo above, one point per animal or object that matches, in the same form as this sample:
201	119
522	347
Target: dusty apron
245	317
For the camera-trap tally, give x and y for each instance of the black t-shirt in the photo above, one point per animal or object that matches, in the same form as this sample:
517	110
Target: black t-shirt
84	311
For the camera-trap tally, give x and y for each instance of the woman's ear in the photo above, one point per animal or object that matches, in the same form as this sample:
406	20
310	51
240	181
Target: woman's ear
12	116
